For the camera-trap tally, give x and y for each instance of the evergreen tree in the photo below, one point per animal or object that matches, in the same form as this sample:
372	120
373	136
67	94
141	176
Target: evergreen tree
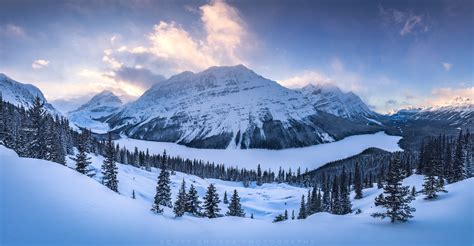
413	191
286	214
251	215
36	146
302	213
458	171
357	182
259	175
181	201
345	201
335	199
397	197
109	168
81	158
163	190
133	194
235	209
193	204
226	201
293	214
211	202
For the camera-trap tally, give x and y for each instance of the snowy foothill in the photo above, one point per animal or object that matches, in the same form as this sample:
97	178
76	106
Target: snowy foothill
48	203
306	157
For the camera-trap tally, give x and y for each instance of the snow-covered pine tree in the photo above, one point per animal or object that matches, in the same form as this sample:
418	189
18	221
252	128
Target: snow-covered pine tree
345	201
458	171
181	201
235	209
293	214
133	194
211	202
286	214
302	213
357	182
36	146
226	201
163	190
259	175
193	204
397	197
335	199
413	191
81	158
109	168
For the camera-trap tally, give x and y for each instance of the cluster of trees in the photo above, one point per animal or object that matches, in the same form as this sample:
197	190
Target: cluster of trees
34	133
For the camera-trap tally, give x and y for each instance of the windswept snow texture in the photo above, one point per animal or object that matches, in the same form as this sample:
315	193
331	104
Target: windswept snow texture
47	203
96	111
22	95
306	157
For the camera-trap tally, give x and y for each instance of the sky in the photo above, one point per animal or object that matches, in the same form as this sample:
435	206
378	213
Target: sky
393	54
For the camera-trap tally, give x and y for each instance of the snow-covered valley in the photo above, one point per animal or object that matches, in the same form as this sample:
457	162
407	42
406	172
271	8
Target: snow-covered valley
46	203
306	157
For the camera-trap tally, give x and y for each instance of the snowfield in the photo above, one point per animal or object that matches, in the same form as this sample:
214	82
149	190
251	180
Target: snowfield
306	157
47	203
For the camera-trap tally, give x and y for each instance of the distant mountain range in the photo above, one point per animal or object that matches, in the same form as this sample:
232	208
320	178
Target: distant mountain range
233	107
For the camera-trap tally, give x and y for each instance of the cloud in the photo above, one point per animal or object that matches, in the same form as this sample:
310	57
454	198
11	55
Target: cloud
405	22
447	95
447	66
307	77
172	49
39	64
138	76
12	31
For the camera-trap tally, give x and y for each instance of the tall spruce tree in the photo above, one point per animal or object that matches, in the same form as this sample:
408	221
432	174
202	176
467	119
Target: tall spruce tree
226	201
357	182
109	168
235	209
81	158
345	201
302	213
163	190
181	201
193	204
397	197
211	202
36	145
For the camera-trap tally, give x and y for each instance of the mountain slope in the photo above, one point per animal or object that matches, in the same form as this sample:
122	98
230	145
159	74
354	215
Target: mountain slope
79	210
459	112
93	113
229	107
21	94
332	100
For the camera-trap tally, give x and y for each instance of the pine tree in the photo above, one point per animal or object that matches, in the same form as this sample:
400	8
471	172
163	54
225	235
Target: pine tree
193	206
226	201
81	158
458	171
357	182
109	168
413	191
345	201
397	197
292	214
163	190
286	214
335	199
235	209
133	194
302	213
181	201
259	175
251	215
36	145
211	202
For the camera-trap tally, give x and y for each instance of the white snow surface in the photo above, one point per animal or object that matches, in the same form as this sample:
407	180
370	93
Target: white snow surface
47	203
309	157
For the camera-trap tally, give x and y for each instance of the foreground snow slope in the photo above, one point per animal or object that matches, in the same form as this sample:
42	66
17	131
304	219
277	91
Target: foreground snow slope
306	157
46	203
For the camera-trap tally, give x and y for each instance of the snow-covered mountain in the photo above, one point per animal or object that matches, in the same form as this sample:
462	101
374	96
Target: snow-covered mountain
458	112
93	113
331	99
229	107
21	94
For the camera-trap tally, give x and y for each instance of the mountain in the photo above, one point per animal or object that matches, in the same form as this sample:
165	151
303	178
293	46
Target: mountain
93	113
331	99
459	112
21	94
230	107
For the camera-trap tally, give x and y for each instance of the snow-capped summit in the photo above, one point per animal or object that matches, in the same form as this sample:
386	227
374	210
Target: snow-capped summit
331	99
21	94
459	111
93	113
226	107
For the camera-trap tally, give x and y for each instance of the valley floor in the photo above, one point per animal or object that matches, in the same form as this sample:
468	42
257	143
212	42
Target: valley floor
310	157
47	203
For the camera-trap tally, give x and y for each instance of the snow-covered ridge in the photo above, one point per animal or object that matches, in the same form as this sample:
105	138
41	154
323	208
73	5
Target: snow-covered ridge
22	95
95	112
331	99
226	107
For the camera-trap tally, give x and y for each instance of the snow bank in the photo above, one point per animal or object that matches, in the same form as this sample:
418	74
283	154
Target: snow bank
46	203
307	157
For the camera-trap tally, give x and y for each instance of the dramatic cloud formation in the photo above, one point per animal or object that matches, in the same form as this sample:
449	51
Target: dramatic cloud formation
447	66
446	96
39	64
